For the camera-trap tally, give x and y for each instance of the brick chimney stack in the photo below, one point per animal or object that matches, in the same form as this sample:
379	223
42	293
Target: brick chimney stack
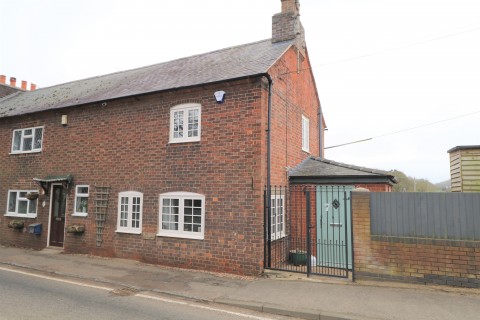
286	25
33	87
13	81
3	79
24	85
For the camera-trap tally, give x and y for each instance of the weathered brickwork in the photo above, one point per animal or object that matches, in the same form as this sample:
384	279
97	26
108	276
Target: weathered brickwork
444	262
294	95
124	144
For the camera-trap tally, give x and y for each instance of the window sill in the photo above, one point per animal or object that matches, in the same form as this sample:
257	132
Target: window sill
79	214
28	216
182	236
24	152
183	141
129	231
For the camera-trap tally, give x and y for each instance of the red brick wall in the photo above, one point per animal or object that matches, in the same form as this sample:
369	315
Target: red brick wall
445	262
294	94
124	145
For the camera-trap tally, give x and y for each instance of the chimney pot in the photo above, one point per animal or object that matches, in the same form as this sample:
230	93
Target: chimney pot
290	6
33	87
3	79
13	81
24	85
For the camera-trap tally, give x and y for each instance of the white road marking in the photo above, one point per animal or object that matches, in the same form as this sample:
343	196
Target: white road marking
56	279
140	295
202	307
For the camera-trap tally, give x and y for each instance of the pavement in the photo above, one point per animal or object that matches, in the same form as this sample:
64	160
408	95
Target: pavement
281	293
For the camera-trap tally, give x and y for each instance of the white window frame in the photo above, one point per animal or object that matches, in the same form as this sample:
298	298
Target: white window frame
305	134
23	136
277	217
130	195
16	213
185	108
180	233
81	195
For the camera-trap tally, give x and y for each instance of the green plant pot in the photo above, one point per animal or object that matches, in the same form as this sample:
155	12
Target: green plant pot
298	258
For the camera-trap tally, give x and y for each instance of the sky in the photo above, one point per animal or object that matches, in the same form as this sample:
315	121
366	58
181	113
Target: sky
404	74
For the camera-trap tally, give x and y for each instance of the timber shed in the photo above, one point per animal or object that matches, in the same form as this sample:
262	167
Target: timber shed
465	168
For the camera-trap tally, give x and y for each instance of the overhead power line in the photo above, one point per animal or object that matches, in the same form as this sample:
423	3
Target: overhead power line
411	44
403	130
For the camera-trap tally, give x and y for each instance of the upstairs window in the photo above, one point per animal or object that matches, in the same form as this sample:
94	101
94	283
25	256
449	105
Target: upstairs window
305	134
130	205
182	215
19	206
185	123
27	140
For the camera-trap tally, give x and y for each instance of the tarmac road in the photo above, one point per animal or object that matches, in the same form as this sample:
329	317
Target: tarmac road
24	295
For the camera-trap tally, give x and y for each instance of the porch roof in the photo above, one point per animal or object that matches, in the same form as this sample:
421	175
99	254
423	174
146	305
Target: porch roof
55	178
318	170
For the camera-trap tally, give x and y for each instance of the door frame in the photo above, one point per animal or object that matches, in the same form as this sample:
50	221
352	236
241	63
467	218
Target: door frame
50	214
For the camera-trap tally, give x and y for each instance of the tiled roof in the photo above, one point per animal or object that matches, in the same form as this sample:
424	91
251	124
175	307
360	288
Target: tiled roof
230	63
317	167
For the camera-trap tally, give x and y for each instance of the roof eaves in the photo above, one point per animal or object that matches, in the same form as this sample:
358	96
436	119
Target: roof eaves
133	95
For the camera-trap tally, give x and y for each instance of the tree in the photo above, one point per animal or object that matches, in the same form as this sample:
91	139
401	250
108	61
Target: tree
411	184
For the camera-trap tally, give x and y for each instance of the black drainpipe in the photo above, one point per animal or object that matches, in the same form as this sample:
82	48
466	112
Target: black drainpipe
268	231
320	132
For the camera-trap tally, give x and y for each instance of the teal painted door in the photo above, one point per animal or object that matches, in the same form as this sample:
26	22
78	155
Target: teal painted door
333	239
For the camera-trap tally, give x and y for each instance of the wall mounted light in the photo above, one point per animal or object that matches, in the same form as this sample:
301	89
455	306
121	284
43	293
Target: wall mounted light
64	120
219	96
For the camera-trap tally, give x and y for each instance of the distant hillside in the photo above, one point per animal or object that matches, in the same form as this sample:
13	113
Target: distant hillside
444	185
410	184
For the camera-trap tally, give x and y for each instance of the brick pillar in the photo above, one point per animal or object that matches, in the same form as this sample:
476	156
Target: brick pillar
361	228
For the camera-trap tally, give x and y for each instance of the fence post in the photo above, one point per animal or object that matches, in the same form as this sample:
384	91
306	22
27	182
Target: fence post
309	234
345	219
268	227
351	237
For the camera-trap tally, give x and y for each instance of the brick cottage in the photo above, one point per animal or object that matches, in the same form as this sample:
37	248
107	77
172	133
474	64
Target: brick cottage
164	164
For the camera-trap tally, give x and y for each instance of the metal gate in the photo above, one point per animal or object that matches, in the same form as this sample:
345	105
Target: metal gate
308	229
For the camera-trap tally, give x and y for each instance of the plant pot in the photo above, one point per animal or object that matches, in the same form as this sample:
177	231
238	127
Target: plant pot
76	228
16	224
298	257
32	196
